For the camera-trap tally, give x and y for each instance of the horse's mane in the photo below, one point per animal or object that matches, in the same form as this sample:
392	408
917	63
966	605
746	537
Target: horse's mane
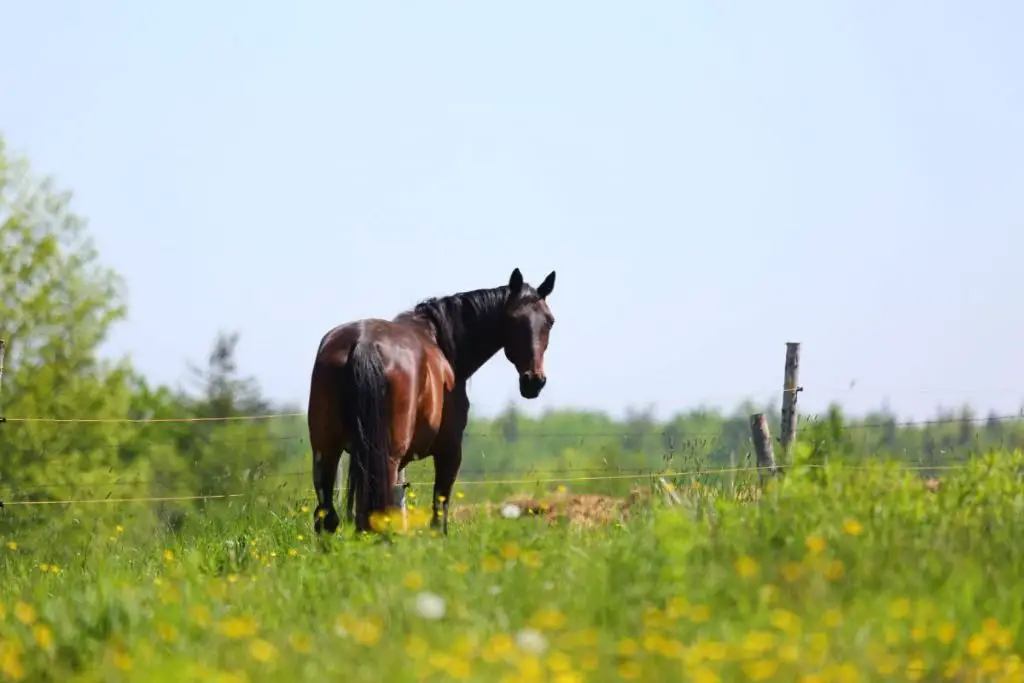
465	318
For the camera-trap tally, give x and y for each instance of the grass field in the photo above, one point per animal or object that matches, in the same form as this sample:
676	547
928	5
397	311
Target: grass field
855	574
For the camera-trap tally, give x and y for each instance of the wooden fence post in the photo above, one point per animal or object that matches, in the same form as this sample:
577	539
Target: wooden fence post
3	350
789	392
762	439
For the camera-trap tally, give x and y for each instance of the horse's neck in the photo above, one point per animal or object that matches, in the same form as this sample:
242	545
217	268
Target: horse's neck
473	359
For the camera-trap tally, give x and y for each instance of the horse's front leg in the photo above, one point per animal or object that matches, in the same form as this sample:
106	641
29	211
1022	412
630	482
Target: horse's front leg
447	462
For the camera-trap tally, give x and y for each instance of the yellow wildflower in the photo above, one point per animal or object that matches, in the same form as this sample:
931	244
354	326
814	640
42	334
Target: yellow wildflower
238	627
548	619
12	545
200	614
835	570
815	543
367	631
413	580
746	566
261	650
853	527
629	670
946	632
900	608
531	559
25	612
43	635
168	555
792	571
761	669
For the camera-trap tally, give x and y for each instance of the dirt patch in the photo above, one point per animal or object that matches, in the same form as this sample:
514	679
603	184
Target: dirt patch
581	510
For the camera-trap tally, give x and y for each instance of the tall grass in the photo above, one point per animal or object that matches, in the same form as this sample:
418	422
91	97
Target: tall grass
852	574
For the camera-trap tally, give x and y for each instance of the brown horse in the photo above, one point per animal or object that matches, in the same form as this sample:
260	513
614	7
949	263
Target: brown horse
389	392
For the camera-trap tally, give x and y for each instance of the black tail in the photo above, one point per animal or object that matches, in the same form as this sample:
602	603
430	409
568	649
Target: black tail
366	395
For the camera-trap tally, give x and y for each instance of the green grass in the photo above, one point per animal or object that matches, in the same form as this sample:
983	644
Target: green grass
852	574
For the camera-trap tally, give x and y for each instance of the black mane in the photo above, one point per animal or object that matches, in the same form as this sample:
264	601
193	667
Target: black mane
466	324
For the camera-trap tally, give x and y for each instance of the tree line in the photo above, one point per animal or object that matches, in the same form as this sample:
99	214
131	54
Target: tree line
58	303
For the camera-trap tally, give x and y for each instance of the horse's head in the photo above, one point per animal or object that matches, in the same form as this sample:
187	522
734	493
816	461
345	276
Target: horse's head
527	324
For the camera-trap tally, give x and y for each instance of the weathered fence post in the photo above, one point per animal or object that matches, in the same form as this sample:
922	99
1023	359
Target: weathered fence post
789	392
762	439
3	350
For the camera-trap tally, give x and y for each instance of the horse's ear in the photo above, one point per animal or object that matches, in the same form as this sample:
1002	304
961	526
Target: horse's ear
547	286
515	283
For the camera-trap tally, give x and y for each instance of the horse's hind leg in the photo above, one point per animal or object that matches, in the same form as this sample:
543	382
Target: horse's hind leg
325	474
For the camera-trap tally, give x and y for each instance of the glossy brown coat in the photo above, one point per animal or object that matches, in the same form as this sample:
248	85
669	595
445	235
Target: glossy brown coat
392	391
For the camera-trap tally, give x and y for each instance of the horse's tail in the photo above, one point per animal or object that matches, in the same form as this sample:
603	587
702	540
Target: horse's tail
366	396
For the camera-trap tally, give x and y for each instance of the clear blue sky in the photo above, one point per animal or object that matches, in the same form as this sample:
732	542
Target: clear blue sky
709	180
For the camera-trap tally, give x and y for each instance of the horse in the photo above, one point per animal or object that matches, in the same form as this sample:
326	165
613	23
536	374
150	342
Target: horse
389	392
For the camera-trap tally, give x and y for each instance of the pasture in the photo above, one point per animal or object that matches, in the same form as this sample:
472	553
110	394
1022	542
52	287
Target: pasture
833	574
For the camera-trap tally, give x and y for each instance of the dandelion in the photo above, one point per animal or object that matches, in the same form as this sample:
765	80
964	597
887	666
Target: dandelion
510	551
119	529
293	552
166	632
200	615
10	662
785	621
700	614
12	545
122	660
43	636
703	674
548	619
300	537
430	606
946	632
261	650
238	627
761	669
531	640
413	581
758	642
792	571
168	555
630	670
460	495
746	566
25	613
853	527
531	559
915	669
977	645
900	608
367	631
835	570
815	543
497	648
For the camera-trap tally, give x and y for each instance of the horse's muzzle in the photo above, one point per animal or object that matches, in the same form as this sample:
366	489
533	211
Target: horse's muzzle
530	384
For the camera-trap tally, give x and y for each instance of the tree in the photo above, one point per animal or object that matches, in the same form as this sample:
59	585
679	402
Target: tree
57	305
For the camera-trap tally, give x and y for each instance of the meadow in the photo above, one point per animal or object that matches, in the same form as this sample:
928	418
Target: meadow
832	573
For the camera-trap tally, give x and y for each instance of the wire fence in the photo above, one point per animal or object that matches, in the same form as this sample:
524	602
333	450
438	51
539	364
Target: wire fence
489	476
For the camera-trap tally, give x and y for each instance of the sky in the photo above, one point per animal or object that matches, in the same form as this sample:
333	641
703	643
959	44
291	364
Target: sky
709	180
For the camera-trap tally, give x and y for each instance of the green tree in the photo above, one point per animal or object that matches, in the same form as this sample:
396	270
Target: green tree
57	305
